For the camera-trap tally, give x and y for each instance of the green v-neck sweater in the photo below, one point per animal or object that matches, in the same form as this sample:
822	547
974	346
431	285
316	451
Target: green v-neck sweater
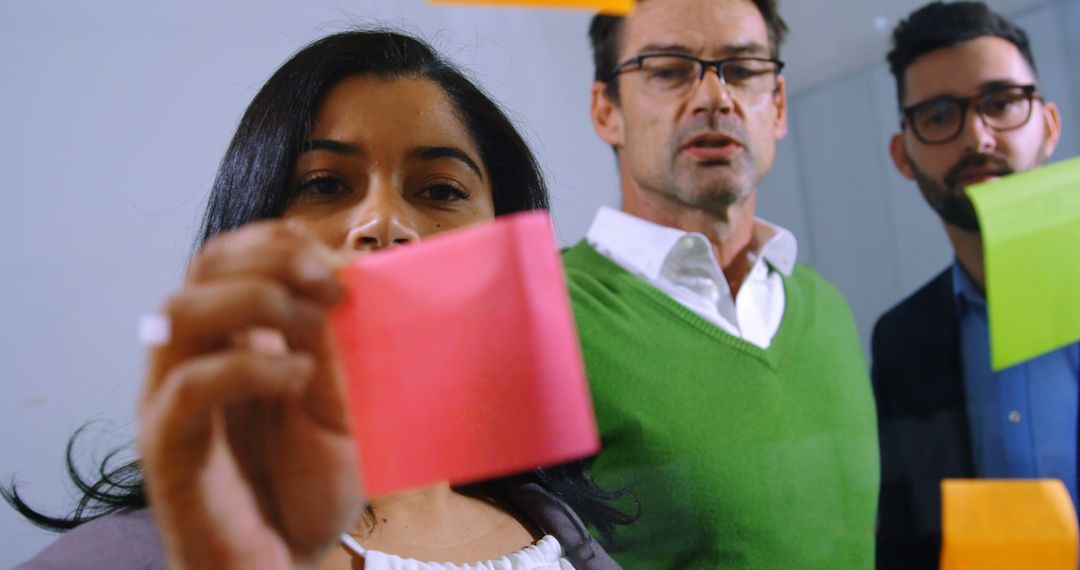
740	457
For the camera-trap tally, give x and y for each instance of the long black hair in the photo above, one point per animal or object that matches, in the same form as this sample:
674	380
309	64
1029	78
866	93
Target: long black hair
252	184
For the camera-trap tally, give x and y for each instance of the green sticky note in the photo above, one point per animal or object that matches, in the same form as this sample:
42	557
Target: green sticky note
1031	241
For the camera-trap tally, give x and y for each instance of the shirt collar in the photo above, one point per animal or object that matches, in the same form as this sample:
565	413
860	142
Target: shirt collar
643	246
963	289
777	246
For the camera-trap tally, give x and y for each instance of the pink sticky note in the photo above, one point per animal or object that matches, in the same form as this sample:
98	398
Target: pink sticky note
461	360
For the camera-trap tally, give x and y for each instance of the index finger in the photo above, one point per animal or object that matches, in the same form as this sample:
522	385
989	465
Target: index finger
275	250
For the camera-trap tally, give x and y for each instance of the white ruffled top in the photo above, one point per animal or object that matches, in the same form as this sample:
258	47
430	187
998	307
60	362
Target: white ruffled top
546	554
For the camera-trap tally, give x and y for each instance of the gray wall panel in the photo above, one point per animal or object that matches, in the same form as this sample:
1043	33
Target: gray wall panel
1068	19
781	198
848	217
917	237
1057	70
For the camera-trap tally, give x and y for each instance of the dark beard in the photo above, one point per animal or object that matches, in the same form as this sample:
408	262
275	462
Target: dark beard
949	199
953	206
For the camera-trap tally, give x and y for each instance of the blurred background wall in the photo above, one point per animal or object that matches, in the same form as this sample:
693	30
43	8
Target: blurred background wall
113	116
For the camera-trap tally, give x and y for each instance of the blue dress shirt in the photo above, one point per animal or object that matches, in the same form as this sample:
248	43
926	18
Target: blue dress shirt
1023	418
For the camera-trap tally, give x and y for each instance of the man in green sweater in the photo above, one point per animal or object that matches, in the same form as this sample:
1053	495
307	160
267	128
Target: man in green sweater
728	380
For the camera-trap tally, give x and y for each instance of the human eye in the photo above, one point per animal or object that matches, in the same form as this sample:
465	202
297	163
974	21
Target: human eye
937	113
443	191
744	70
1002	103
668	71
322	185
738	72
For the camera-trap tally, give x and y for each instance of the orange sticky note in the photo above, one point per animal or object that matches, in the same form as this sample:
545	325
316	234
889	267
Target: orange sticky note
1007	524
610	7
461	359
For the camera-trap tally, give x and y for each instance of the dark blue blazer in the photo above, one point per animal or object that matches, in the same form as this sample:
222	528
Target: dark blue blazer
922	422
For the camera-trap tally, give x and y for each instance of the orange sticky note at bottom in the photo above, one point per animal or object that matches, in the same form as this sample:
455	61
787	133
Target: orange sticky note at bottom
1007	524
461	360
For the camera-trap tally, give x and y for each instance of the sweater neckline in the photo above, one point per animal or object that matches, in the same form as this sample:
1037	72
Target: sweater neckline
768	356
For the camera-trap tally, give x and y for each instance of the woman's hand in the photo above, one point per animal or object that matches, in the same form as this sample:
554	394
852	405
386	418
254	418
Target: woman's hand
244	435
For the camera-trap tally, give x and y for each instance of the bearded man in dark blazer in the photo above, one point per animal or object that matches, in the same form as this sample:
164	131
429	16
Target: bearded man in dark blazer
971	111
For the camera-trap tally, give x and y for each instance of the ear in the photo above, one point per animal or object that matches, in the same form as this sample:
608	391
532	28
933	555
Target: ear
780	100
900	157
606	116
1052	118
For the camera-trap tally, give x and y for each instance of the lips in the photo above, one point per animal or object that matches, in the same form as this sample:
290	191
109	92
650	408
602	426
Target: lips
710	147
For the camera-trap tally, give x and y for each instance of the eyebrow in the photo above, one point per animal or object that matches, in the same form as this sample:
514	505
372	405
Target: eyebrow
665	48
336	147
996	84
983	89
732	50
437	152
748	48
423	153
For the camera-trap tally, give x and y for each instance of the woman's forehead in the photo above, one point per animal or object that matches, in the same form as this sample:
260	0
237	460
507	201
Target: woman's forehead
380	113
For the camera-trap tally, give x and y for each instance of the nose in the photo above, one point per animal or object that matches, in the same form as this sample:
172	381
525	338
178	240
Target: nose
712	93
382	221
977	135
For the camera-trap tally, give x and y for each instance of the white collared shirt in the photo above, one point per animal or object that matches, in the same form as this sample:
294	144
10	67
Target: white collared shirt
682	265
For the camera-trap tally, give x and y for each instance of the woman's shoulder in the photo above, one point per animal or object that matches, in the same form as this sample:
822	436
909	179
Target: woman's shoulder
124	539
554	517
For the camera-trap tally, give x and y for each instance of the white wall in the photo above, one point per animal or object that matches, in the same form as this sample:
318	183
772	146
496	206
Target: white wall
113	118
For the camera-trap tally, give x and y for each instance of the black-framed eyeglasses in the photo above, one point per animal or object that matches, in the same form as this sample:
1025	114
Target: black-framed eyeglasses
677	72
941	119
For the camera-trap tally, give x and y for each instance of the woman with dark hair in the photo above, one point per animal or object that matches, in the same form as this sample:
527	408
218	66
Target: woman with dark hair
361	141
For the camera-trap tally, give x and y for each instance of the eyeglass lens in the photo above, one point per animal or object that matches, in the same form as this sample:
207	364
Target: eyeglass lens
674	74
942	119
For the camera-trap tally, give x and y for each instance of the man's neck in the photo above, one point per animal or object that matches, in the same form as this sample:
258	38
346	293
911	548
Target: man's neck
968	246
730	230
